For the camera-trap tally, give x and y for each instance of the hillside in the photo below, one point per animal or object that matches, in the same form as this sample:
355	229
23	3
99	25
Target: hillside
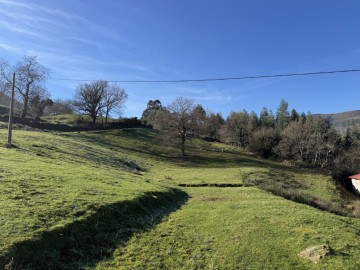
343	120
122	199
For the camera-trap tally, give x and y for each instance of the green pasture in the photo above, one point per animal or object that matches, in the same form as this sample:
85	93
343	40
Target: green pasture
112	200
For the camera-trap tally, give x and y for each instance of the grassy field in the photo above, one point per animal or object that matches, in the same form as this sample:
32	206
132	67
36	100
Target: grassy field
112	200
240	228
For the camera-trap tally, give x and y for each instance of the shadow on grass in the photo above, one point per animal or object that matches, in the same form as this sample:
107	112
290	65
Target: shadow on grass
93	238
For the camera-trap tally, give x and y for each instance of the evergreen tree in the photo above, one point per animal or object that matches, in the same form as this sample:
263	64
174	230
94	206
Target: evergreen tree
266	118
294	115
282	115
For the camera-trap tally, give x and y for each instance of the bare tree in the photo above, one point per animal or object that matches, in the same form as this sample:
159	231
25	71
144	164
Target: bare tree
5	79
113	100
88	98
30	74
178	120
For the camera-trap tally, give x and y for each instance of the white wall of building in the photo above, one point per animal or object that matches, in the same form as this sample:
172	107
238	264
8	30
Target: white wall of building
356	185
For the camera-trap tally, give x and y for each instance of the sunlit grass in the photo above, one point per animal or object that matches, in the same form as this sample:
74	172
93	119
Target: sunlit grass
240	228
51	180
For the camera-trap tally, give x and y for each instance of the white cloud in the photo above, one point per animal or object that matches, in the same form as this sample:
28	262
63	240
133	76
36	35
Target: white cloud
11	48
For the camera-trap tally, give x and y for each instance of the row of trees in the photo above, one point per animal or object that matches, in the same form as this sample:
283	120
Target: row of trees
98	98
288	135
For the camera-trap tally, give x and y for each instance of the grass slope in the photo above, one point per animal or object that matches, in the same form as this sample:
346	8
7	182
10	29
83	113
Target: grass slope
51	181
56	185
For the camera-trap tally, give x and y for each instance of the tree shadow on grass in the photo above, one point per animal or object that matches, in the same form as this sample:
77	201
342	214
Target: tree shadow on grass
93	238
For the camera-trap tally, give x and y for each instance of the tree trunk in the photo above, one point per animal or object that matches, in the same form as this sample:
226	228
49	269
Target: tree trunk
106	117
93	120
183	139
26	101
25	107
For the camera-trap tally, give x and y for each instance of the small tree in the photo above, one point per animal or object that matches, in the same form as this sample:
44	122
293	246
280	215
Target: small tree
178	120
213	125
237	129
88	98
267	118
38	102
282	115
113	100
200	117
263	141
294	115
149	115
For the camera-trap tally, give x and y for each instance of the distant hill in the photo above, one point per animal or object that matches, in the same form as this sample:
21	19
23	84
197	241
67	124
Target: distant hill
343	120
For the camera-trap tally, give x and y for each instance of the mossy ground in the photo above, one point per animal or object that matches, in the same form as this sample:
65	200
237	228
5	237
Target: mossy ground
52	180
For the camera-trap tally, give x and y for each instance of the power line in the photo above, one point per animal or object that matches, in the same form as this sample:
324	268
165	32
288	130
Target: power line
218	79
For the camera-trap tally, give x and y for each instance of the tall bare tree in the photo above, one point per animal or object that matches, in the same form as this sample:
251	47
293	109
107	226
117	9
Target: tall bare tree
30	75
114	98
88	98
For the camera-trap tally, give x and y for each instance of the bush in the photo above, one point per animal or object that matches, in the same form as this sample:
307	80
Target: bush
263	142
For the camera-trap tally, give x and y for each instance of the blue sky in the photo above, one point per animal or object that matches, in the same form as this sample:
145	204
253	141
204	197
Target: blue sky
169	40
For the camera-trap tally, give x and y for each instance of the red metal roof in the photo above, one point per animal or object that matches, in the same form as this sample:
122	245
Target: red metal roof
355	176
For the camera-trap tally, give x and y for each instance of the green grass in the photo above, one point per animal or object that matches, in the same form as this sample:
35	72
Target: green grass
240	228
73	119
53	186
65	119
49	181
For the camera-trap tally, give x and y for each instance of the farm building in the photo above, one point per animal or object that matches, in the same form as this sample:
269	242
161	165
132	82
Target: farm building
355	180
